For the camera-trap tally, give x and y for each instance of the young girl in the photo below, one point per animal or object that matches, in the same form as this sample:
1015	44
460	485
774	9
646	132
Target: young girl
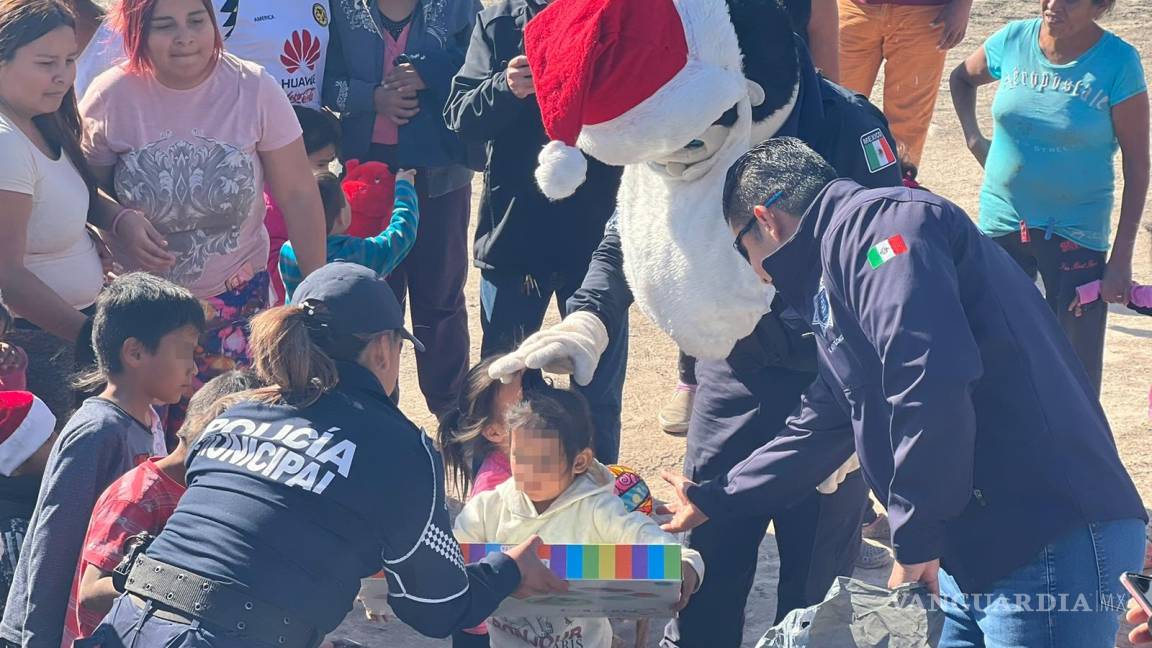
561	493
472	436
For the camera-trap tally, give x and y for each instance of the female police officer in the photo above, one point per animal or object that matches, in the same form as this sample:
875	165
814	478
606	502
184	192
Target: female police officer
309	485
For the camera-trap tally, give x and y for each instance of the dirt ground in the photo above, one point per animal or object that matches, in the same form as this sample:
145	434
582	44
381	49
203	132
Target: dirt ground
948	169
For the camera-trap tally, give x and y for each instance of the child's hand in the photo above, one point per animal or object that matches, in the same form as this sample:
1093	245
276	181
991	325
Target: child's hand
687	586
9	358
1076	308
406	174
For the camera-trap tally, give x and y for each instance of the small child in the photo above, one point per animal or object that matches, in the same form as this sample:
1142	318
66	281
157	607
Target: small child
27	430
381	253
472	437
321	134
561	493
145	333
141	501
13	360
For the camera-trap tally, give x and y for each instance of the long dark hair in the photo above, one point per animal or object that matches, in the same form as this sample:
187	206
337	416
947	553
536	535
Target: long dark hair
461	432
22	22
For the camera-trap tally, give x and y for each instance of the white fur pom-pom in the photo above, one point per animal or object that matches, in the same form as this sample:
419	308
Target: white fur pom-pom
561	170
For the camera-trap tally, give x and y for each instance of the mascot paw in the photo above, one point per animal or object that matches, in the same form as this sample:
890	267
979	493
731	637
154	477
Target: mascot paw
561	170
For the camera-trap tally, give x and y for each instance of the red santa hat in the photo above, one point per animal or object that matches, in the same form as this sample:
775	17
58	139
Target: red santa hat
627	80
25	424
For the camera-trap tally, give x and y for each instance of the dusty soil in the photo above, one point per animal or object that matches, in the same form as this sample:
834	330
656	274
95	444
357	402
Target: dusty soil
948	169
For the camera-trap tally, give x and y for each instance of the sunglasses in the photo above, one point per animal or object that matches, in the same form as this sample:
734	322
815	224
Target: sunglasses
738	244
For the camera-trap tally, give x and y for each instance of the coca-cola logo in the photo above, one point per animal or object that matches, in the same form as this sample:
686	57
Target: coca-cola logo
302	49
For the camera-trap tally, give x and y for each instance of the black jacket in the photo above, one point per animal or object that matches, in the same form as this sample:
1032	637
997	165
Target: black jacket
519	230
833	121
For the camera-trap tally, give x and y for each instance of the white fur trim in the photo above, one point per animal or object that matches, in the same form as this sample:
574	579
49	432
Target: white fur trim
561	170
678	255
711	82
36	428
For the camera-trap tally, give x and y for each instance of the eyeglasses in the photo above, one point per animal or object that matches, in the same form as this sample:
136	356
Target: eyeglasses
738	244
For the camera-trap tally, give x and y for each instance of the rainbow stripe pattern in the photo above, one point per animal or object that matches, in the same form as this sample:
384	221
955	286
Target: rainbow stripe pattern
598	562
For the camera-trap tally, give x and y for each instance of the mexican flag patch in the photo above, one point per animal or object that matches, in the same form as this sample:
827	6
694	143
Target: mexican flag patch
877	151
885	251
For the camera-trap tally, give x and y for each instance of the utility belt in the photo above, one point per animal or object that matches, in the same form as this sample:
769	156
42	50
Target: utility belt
180	596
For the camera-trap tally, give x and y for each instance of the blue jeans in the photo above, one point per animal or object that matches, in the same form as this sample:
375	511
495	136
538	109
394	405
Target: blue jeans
512	307
1069	597
130	626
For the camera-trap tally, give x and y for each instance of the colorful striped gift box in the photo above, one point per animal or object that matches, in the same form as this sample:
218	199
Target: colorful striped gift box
598	562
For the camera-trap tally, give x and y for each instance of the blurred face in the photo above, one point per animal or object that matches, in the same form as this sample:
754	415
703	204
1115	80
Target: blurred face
180	42
539	466
321	160
1067	17
496	431
168	373
35	81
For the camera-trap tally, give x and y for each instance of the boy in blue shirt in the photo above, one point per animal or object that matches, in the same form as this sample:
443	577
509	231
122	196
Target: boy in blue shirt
381	253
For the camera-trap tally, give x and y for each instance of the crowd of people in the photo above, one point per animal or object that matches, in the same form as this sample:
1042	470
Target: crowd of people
217	211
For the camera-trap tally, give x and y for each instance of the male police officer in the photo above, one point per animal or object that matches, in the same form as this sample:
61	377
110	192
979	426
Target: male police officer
942	367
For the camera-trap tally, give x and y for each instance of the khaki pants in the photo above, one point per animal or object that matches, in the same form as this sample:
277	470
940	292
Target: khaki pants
900	37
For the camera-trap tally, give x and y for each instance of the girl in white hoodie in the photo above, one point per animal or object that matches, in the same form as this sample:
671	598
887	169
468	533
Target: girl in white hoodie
561	493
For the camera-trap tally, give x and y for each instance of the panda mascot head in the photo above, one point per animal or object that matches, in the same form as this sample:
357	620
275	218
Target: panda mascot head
675	91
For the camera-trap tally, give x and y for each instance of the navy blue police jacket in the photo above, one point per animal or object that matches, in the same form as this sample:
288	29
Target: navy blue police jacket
839	125
942	366
296	505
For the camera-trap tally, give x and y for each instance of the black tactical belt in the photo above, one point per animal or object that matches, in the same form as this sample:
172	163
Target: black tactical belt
221	605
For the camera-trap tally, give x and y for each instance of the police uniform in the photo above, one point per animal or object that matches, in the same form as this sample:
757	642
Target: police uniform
743	401
292	506
943	368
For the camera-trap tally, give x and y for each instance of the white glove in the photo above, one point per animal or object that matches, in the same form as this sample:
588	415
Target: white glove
829	486
571	347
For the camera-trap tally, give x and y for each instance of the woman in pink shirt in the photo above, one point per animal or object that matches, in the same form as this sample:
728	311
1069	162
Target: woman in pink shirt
189	135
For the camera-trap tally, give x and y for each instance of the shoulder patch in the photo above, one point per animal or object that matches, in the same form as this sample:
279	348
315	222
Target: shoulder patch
877	151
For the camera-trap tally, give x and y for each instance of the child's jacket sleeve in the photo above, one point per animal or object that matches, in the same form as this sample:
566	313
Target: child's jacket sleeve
389	248
616	525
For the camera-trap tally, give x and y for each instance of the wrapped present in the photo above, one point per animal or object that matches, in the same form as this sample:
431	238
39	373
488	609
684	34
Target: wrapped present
618	581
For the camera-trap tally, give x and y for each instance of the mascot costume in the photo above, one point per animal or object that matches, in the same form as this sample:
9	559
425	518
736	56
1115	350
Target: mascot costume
675	91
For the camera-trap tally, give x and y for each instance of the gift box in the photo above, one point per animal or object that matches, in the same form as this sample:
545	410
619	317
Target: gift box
618	581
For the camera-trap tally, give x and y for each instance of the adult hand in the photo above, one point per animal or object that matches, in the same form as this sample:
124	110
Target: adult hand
397	106
1116	285
1140	635
10	357
688	586
927	573
535	578
520	77
685	515
979	147
953	18
139	238
571	347
405	79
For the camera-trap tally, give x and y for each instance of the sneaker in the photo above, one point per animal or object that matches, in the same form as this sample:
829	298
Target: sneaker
878	529
676	413
873	556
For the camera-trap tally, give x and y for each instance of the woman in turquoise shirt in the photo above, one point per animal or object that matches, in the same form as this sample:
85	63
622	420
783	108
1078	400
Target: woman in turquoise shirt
1071	93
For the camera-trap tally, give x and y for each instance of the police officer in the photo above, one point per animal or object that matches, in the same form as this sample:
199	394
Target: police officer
743	401
943	368
310	485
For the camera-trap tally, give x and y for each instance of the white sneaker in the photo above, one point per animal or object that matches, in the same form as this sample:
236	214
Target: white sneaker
677	412
873	556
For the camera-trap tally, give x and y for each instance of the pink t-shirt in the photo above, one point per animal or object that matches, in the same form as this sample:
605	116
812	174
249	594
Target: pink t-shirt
495	470
189	160
385	131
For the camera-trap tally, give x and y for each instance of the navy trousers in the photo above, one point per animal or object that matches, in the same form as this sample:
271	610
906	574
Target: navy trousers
818	539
